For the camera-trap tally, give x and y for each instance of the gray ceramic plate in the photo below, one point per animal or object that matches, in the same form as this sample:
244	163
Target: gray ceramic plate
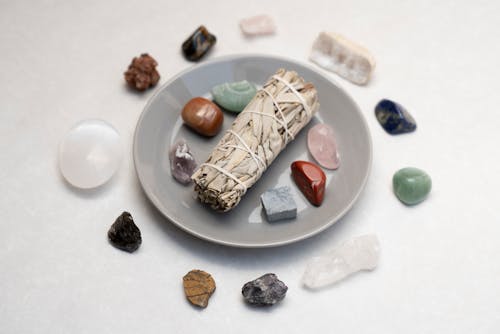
160	125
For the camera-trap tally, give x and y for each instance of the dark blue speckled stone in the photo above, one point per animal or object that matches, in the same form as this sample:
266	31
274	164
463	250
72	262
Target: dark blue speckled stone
394	118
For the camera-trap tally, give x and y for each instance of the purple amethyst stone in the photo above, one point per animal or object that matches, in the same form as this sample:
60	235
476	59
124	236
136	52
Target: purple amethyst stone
182	163
264	291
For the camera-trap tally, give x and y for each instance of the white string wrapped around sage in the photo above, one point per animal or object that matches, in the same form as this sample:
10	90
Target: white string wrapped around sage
284	105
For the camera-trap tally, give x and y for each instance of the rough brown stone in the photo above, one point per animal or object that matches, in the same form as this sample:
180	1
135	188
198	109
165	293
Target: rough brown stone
142	73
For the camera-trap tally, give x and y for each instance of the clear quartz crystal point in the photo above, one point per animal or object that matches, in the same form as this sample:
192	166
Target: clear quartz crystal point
361	253
90	153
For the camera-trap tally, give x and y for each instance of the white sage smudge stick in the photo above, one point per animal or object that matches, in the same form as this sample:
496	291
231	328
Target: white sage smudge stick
261	131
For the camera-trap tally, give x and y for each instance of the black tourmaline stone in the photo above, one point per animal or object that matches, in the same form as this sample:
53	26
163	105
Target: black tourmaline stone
124	234
265	290
198	44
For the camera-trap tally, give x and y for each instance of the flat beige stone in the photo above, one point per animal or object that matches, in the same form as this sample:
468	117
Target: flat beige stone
198	287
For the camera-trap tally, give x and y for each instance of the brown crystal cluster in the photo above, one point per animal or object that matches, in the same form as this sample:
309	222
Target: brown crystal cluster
142	73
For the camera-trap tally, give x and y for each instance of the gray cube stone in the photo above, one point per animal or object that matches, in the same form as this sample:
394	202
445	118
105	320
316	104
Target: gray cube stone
279	204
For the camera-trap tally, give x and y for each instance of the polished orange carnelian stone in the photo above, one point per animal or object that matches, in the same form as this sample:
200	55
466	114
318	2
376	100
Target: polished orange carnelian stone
310	179
203	116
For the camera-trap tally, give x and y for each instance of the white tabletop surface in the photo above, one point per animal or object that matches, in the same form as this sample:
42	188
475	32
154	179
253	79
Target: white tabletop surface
63	61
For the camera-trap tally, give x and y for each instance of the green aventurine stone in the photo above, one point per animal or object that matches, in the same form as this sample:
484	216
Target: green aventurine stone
411	185
234	96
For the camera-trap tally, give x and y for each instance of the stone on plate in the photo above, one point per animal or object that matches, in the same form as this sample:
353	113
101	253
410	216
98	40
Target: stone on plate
124	234
411	185
264	291
310	179
203	116
394	118
361	253
258	25
182	162
234	96
337	54
198	44
198	287
323	146
279	204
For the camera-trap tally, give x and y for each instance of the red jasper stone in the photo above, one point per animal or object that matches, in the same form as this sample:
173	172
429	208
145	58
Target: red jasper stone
310	179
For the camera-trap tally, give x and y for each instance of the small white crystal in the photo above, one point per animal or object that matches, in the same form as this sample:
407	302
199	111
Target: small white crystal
361	253
258	25
344	57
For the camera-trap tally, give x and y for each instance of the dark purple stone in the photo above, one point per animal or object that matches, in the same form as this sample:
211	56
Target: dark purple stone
264	291
182	162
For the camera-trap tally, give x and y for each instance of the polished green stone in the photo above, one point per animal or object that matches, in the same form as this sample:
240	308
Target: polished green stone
234	96
411	185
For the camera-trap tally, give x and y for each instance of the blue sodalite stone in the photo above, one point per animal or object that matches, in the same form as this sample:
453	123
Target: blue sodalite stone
394	118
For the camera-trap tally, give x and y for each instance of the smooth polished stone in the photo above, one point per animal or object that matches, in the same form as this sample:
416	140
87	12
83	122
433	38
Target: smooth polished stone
198	44
411	185
266	290
182	162
124	234
203	116
361	253
198	287
279	204
323	146
342	56
90	154
394	118
234	96
310	179
258	25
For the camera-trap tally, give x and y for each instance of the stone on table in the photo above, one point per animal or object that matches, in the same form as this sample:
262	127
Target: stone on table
258	25
142	73
203	116
90	154
342	56
310	179
182	162
198	44
279	204
198	287
323	146
394	118
361	253
266	290
234	96
124	234
411	185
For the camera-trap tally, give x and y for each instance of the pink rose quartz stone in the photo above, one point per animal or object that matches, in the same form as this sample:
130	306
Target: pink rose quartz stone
323	147
258	25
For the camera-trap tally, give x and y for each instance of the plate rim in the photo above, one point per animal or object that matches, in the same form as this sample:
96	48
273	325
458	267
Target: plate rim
153	199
